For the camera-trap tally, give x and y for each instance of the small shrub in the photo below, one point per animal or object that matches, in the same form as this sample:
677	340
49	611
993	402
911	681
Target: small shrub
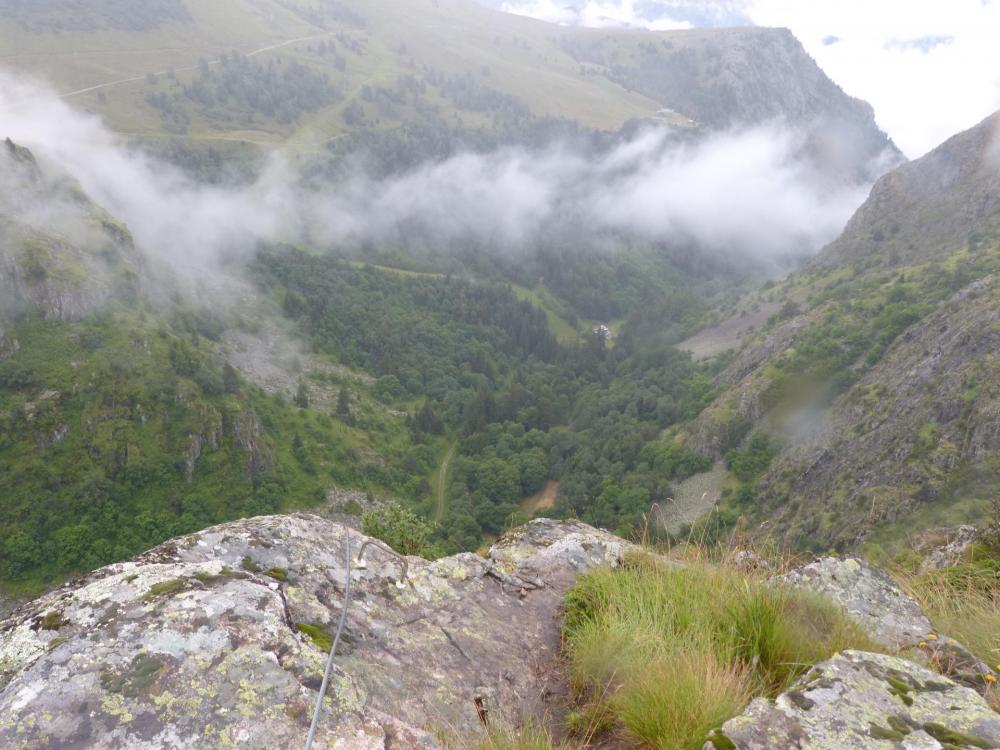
278	574
54	621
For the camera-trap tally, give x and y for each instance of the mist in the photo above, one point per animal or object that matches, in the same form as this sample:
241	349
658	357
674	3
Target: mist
749	192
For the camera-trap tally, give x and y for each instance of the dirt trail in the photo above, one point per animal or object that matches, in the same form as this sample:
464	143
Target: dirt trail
442	483
142	77
542	500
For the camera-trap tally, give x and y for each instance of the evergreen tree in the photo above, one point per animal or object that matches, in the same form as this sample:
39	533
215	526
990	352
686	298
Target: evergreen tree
344	405
302	396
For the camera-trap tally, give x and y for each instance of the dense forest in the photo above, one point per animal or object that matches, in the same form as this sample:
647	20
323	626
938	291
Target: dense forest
523	407
238	89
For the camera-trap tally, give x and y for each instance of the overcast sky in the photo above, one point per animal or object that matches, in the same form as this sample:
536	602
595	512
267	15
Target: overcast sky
931	68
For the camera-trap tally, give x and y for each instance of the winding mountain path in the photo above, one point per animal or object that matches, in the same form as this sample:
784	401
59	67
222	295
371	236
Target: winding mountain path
442	483
142	77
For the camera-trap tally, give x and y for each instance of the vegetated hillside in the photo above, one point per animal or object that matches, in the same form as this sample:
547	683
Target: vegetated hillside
129	413
202	70
121	423
874	391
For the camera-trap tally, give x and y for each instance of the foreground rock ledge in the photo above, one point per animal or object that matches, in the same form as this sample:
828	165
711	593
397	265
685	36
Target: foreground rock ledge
862	700
210	640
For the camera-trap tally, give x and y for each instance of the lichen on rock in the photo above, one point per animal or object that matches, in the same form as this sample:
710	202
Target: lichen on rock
864	700
890	616
194	644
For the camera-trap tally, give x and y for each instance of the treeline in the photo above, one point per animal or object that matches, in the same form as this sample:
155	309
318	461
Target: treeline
239	89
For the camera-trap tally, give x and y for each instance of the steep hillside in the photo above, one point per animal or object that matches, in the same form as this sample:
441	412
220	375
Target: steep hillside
122	421
928	209
875	386
725	77
323	72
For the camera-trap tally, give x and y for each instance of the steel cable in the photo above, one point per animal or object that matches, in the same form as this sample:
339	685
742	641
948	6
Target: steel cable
333	650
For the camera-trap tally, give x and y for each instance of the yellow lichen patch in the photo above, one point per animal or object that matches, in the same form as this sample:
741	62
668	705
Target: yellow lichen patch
249	700
114	705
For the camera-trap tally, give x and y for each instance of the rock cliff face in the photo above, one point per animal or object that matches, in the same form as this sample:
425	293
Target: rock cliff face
218	639
725	78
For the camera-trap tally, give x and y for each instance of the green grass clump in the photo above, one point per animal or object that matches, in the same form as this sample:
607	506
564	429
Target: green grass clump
675	652
163	588
54	621
529	737
316	634
278	574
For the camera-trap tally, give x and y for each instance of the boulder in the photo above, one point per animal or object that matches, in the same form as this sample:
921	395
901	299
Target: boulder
863	700
943	548
890	616
220	639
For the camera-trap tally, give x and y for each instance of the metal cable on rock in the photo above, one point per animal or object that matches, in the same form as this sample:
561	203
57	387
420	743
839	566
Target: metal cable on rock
333	650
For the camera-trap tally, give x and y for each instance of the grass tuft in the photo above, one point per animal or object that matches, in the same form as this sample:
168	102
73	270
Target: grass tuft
964	602
671	653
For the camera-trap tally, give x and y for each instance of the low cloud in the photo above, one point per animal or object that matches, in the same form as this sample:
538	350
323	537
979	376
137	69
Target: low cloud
745	192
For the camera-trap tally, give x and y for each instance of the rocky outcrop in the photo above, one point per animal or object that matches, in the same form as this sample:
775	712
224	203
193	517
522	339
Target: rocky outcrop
864	700
219	639
943	548
890	616
869	596
60	254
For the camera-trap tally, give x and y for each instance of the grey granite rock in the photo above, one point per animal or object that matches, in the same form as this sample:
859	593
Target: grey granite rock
205	641
890	616
862	700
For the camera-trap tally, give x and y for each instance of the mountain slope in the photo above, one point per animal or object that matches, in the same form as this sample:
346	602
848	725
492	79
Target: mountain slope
929	208
442	63
878	381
